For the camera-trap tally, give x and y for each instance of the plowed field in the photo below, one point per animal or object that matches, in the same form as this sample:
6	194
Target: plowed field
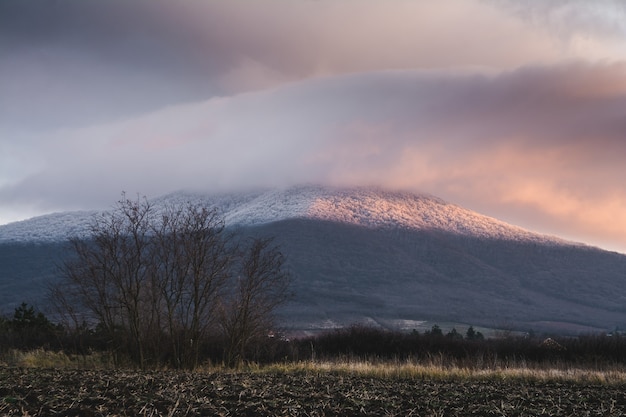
48	392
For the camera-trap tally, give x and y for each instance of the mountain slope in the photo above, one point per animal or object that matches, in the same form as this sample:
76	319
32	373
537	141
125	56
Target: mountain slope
349	273
379	256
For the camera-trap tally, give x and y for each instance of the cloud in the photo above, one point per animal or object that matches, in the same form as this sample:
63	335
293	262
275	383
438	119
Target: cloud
591	29
67	63
572	18
536	142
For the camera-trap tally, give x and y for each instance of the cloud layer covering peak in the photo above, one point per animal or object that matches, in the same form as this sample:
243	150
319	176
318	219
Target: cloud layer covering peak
513	111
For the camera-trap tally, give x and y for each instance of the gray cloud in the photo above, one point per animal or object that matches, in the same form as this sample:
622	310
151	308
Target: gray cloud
74	63
67	63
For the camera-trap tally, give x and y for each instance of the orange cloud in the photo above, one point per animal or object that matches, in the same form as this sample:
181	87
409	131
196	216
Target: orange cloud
542	189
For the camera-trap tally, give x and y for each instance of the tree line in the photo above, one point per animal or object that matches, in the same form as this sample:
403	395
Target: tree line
470	350
29	329
160	283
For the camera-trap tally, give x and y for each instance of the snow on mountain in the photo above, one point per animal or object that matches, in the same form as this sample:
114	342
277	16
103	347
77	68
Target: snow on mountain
46	228
368	207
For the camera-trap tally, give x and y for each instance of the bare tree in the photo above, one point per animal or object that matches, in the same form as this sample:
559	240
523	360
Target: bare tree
157	280
193	260
247	315
109	275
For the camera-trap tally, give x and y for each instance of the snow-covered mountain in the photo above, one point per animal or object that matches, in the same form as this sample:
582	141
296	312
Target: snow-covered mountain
368	207
375	256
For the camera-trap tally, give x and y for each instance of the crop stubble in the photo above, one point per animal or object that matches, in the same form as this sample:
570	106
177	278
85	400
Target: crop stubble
44	392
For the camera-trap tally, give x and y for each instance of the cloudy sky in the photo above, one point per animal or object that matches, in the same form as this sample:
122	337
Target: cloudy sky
515	109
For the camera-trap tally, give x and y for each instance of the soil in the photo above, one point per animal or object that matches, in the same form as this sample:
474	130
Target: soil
48	392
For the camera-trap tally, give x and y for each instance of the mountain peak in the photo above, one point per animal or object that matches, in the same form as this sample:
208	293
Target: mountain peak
375	208
369	207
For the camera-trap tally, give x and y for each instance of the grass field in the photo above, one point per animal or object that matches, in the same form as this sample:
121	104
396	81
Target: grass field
313	389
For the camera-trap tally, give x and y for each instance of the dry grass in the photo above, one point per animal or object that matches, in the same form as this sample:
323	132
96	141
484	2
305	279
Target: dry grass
434	368
413	370
41	358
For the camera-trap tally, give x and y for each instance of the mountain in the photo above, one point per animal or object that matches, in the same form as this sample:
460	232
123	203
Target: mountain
388	258
366	207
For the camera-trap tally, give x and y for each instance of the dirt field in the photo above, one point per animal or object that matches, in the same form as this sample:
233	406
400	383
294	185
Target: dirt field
46	392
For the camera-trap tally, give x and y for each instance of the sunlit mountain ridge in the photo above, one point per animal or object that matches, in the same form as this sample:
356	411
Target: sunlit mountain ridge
361	206
367	255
